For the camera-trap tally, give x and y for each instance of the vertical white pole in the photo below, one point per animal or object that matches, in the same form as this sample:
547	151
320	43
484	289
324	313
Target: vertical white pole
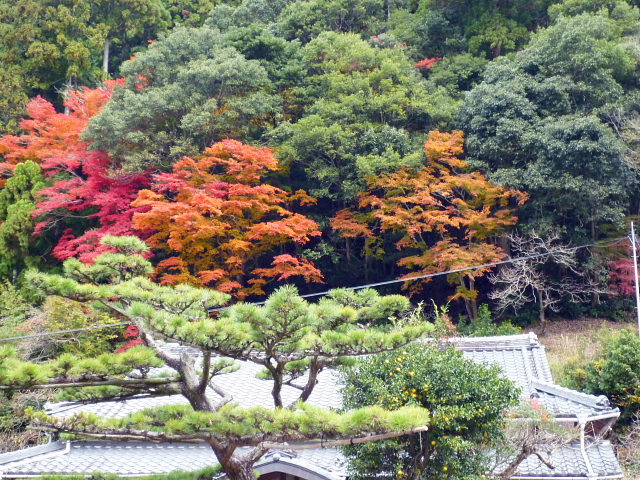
635	274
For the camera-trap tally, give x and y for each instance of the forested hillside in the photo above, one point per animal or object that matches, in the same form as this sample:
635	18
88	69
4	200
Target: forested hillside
328	143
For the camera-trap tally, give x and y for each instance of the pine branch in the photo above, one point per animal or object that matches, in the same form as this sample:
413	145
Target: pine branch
341	442
77	383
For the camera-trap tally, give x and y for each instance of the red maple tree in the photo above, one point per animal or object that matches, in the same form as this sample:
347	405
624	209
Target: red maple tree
81	180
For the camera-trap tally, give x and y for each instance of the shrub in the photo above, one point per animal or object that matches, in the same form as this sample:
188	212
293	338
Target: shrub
615	373
483	326
466	401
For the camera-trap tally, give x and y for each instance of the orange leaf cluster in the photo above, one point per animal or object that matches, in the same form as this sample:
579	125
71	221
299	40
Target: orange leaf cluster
427	63
442	211
221	220
51	136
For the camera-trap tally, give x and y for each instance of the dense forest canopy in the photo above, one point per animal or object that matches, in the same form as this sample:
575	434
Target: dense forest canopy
103	102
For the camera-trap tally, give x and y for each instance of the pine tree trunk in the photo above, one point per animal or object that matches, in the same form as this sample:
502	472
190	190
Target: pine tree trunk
238	470
236	465
105	55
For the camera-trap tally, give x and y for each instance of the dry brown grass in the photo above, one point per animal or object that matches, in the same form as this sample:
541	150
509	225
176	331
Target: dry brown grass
627	444
574	341
11	441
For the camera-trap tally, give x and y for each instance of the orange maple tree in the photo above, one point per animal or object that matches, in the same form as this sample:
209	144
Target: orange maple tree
444	213
218	220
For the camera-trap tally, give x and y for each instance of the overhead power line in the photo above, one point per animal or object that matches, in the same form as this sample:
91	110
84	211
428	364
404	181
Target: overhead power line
359	287
46	334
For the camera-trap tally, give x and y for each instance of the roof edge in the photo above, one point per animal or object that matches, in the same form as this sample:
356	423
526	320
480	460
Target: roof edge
26	453
600	402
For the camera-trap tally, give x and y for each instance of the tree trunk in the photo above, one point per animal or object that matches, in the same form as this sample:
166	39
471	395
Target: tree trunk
238	470
237	465
105	55
277	373
513	466
543	319
470	304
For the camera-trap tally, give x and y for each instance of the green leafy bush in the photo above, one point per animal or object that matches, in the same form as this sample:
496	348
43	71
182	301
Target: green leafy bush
483	326
466	401
615	373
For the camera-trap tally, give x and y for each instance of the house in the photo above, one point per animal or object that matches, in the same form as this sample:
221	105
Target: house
521	357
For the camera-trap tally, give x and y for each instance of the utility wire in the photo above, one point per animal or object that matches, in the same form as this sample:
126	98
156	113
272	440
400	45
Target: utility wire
369	285
437	274
46	334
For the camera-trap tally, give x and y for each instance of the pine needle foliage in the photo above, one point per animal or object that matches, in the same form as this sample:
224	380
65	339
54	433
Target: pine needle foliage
288	336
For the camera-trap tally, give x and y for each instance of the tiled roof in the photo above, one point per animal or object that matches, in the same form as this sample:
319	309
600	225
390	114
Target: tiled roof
19	455
122	458
569	462
138	458
521	357
143	458
523	360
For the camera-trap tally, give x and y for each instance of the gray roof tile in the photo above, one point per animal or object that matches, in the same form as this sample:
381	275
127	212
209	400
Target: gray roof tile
569	462
520	357
19	455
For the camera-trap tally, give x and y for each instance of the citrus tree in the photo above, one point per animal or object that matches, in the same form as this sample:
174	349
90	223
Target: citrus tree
466	401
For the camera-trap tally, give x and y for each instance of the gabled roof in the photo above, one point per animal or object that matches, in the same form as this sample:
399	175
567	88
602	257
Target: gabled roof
523	360
521	357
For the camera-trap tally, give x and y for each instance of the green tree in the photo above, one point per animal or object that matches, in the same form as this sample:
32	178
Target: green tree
441	28
191	13
533	124
287	336
13	97
615	372
51	41
366	111
248	13
185	92
500	34
17	202
466	401
57	45
125	22
306	20
14	309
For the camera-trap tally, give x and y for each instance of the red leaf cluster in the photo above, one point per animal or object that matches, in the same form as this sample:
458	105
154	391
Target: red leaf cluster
427	63
82	180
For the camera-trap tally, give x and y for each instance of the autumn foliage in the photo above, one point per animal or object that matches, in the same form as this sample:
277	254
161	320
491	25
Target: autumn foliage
217	221
621	275
52	139
427	63
444	214
84	183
